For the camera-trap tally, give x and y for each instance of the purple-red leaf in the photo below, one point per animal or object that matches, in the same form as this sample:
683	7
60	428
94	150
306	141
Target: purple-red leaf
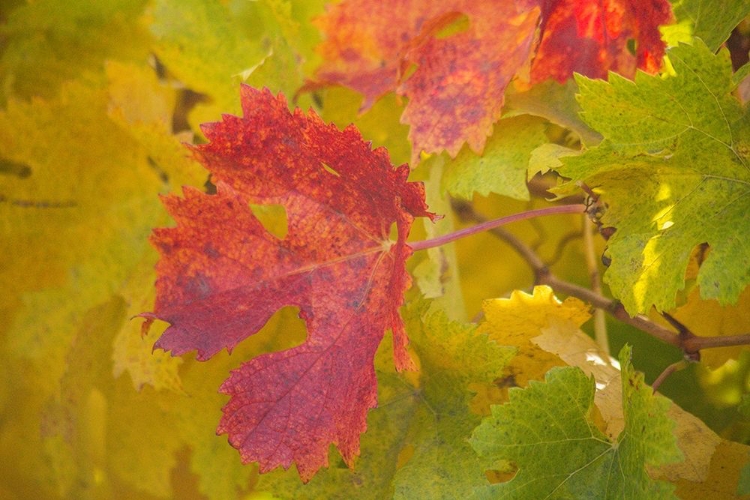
222	275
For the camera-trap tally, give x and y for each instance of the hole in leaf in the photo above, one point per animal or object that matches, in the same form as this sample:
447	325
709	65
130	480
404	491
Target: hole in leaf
631	45
330	170
283	330
393	233
455	24
408	72
698	256
339	462
273	218
209	186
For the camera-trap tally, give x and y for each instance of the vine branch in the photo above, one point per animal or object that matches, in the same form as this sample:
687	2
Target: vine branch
488	225
683	338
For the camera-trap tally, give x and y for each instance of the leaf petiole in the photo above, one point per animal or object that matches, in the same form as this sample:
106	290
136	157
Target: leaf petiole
490	224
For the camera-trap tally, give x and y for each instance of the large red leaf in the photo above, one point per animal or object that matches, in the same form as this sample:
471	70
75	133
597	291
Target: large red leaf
222	275
456	91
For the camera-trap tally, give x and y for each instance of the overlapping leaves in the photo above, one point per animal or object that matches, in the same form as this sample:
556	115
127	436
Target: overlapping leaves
548	433
464	53
680	144
82	163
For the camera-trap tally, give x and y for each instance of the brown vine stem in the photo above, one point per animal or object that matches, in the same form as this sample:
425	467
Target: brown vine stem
683	339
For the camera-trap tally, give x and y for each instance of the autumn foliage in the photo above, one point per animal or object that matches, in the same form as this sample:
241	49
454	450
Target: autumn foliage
238	264
222	276
456	81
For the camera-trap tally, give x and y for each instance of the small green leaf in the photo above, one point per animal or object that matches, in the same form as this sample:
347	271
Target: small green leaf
502	167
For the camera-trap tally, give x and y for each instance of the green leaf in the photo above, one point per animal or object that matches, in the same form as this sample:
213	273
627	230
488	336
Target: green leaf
554	101
211	46
711	20
502	167
454	359
437	275
678	145
547	432
547	157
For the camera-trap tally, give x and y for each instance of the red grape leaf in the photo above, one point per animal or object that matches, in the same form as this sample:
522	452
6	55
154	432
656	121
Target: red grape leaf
591	37
456	91
221	276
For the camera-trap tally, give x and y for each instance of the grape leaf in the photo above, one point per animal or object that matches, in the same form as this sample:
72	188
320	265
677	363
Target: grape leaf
222	275
466	53
502	167
100	230
516	320
554	101
437	275
591	37
90	243
387	429
548	433
456	92
711	465
211	46
455	360
70	419
199	42
679	144
141	106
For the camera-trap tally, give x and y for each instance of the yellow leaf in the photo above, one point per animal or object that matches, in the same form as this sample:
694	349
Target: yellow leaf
132	352
515	321
706	318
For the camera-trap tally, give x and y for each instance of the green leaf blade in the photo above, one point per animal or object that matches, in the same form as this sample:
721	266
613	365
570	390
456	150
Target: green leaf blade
544	424
680	146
